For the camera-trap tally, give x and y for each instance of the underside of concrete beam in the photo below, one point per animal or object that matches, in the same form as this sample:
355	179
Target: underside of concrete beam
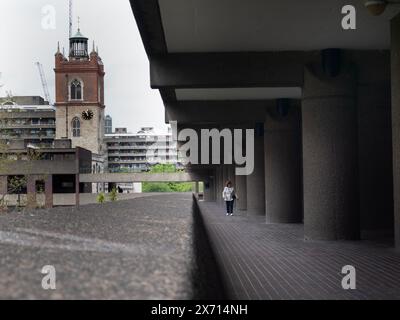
225	70
196	112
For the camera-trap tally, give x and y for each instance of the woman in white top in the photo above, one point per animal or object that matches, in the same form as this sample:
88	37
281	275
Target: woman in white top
229	197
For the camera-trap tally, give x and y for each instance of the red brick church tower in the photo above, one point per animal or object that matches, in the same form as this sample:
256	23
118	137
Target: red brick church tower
80	96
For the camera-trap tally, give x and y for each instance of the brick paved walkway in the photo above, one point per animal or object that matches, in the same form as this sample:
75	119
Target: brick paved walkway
260	261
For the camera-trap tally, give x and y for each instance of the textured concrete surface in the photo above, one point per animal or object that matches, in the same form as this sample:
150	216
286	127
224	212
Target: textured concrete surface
330	158
283	170
272	261
134	249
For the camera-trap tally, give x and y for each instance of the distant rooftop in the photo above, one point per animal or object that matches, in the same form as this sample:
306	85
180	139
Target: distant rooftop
23	101
11	107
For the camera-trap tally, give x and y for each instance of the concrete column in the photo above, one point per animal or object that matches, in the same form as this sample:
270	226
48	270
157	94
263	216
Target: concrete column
231	174
210	195
3	185
226	174
216	187
375	145
31	192
207	193
216	184
224	178
221	185
331	201
241	190
255	181
395	71
48	189
283	167
212	188
196	187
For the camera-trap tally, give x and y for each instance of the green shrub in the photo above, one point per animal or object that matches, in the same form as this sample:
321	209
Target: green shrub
101	198
113	195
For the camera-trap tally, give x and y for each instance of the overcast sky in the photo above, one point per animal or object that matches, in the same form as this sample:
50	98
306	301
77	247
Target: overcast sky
129	99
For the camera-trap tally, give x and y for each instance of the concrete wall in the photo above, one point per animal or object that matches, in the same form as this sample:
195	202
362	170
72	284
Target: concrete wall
39	167
69	199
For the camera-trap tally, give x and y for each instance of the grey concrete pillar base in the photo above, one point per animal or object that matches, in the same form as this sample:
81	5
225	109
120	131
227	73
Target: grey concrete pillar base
330	159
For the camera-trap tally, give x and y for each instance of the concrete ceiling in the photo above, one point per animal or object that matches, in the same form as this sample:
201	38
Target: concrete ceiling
270	25
225	94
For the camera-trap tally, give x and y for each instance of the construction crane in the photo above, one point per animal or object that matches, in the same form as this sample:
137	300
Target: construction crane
70	18
44	82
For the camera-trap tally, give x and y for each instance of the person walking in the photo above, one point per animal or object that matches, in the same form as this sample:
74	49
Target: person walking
229	197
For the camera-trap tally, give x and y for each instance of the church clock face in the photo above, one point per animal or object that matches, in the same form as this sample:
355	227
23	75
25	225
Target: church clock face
87	115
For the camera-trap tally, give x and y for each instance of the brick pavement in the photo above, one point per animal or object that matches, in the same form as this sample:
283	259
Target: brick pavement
260	261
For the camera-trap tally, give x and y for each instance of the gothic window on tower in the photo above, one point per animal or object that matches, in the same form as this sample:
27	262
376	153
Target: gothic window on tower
76	90
76	127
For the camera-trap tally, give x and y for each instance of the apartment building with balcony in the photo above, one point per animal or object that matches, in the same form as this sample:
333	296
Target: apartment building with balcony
138	152
27	120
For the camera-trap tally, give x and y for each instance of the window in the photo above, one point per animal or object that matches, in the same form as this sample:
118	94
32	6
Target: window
76	90
76	128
